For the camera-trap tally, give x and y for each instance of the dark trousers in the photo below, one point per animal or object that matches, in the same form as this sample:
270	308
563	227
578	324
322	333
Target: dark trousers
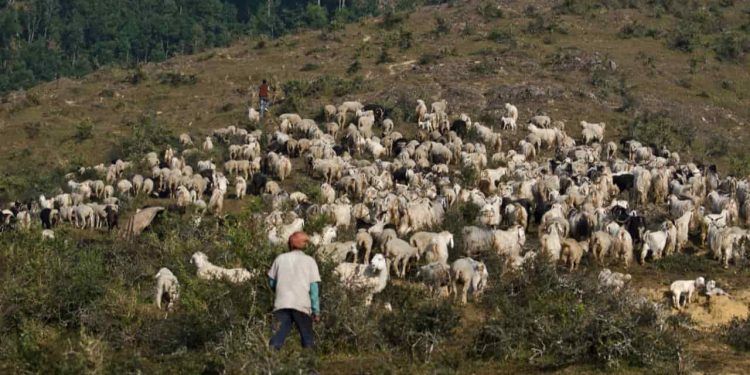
287	318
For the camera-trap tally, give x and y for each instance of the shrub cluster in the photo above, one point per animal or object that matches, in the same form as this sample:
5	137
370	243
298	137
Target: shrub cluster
551	321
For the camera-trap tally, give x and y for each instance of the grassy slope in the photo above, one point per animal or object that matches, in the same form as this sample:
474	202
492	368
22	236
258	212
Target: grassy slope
225	76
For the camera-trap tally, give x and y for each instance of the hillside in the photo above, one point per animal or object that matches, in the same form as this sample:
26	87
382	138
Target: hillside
568	66
674	75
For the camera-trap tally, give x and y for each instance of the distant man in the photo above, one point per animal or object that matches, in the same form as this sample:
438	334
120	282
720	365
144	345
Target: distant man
263	95
294	277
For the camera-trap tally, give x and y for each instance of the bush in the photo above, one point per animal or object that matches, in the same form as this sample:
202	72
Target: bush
308	67
138	76
354	67
662	130
384	57
489	10
551	321
418	324
429	58
84	131
731	46
405	39
737	334
501	36
442	26
32	129
684	38
544	24
147	135
177	79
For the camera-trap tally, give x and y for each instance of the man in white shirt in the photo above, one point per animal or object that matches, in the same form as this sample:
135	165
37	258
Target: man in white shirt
294	277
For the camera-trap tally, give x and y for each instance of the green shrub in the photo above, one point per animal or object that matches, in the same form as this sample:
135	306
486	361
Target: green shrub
354	67
545	24
32	129
137	76
662	130
384	57
501	36
731	46
84	131
684	38
309	67
177	79
442	26
392	19
737	334
418	324
147	135
429	58
551	321
405	39
489	10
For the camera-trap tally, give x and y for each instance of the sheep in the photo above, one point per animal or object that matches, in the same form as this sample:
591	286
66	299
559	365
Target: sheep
208	271
612	281
551	243
208	145
601	245
421	110
140	221
509	242
680	287
364	242
216	203
185	140
279	235
471	274
654	242
476	240
572	252
371	278
592	132
48	234
240	187
437	249
399	252
338	251
437	277
253	115
330	111
540	121
124	187
622	246
682	226
325	237
167	289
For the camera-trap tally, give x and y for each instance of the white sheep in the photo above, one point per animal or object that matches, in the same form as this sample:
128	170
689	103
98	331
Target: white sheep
371	278
437	277
656	242
612	281
338	251
208	145
471	274
280	235
421	110
185	140
48	234
399	252
680	287
208	271
167	288
240	187
253	115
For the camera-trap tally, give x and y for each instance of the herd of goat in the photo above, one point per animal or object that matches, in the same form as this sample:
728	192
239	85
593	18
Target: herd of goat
614	202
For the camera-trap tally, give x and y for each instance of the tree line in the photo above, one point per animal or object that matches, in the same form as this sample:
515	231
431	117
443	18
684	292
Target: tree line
41	40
